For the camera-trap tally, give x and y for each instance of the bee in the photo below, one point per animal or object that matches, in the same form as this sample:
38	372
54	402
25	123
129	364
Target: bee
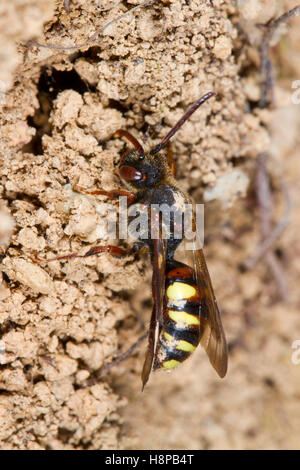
185	312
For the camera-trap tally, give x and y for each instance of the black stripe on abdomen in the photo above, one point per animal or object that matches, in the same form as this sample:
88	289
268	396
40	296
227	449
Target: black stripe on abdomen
191	335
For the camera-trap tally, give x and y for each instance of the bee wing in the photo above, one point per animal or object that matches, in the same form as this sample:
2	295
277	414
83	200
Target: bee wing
213	337
158	293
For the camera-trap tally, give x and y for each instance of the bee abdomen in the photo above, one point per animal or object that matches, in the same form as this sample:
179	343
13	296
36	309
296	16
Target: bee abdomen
175	346
180	333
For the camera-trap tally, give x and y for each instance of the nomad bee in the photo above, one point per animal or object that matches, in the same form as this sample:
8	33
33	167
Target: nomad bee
185	311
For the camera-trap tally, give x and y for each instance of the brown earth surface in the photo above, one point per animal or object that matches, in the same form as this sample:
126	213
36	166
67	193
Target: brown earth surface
60	322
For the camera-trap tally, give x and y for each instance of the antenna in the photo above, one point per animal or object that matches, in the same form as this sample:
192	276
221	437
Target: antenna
181	121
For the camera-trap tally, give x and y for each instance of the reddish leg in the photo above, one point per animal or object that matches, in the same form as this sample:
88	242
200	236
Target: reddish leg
96	250
114	193
113	250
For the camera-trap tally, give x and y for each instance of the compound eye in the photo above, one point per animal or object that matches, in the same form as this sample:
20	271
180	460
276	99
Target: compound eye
130	173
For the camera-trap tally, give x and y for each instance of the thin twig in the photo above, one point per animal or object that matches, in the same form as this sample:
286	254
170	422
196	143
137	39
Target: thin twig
282	19
121	357
67	5
270	238
94	36
278	274
267	83
263	190
264	198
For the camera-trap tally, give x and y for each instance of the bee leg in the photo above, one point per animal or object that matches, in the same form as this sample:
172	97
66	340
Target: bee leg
115	250
171	161
114	193
96	250
121	357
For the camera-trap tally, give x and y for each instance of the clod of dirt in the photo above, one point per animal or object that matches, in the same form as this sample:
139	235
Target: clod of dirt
228	188
7	224
28	274
20	20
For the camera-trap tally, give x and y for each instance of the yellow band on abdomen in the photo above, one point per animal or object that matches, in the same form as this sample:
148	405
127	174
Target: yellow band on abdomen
185	346
171	364
183	317
180	291
168	337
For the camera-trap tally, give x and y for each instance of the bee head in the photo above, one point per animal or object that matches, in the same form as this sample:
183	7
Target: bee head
142	170
146	170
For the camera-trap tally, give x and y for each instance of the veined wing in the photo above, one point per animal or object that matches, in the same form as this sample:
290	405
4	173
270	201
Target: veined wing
213	336
158	292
